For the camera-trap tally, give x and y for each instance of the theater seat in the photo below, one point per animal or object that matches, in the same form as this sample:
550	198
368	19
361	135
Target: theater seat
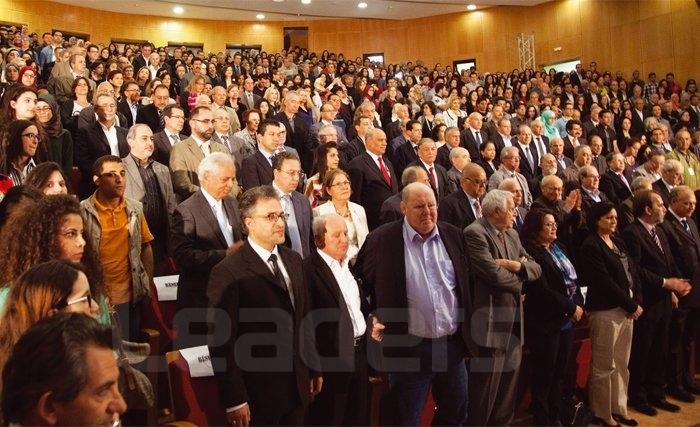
195	400
159	315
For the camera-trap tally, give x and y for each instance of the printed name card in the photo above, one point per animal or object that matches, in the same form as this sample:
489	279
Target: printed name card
199	361
166	287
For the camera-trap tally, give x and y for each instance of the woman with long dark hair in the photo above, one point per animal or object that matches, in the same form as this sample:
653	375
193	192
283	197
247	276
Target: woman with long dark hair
24	150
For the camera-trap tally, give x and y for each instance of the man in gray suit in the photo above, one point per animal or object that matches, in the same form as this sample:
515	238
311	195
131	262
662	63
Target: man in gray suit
510	161
149	182
186	155
328	113
500	266
60	86
224	135
248	98
286	169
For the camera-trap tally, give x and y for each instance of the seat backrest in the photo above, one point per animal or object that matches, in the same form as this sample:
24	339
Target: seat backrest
195	400
159	315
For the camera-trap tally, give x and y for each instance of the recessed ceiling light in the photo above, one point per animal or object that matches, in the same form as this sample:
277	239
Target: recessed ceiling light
179	10
305	1
471	7
278	1
362	5
260	16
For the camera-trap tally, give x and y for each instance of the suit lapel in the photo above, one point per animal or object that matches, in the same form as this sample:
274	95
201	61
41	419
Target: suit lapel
260	268
134	175
369	160
208	215
195	150
328	279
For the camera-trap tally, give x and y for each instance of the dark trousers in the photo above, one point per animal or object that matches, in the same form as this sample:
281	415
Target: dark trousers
129	318
295	417
549	358
649	353
684	326
443	368
344	397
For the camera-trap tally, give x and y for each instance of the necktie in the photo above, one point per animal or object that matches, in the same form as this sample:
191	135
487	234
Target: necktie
161	119
433	179
530	160
223	223
415	149
280	277
250	99
292	226
684	222
477	137
291	124
224	139
518	221
656	238
384	171
502	239
477	208
175	139
624	180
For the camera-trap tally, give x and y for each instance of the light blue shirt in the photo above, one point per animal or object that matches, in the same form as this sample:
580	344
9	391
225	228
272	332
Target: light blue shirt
433	310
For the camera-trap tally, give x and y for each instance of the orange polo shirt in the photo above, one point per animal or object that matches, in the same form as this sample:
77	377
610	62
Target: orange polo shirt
114	250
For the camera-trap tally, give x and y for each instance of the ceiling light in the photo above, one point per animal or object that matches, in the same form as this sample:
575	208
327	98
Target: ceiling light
260	16
471	7
305	1
278	1
179	10
362	5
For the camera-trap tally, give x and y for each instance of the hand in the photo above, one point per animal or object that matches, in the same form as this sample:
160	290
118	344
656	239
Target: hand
578	314
316	385
240	417
571	199
234	247
377	329
674	300
680	286
637	313
512	266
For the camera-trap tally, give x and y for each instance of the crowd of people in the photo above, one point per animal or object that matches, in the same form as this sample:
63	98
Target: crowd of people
333	220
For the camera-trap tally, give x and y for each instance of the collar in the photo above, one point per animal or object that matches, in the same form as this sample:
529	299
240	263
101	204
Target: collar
279	190
210	199
411	234
262	252
669	186
198	141
264	152
647	227
138	161
677	216
109	129
330	261
427	166
102	208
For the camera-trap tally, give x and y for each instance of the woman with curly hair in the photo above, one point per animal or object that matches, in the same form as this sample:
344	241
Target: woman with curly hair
42	291
51	230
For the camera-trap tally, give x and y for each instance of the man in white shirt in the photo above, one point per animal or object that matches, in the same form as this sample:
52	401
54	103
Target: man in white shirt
174	119
286	169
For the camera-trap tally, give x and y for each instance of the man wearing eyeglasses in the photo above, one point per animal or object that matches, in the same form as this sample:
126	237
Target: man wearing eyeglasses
174	118
117	228
261	292
102	138
463	207
186	156
287	171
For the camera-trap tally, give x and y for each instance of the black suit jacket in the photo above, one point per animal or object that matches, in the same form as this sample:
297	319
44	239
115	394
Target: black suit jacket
162	146
404	156
381	266
660	188
123	107
637	128
547	305
198	245
456	210
525	168
685	249
391	209
653	264
298	139
334	331
487	167
392	129
443	157
91	144
600	130
252	301
256	170
466	140
349	150
139	62
443	181
613	187
569	146
148	115
368	186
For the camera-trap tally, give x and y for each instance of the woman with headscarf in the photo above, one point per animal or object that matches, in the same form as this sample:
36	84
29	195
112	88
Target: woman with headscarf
27	76
548	119
60	140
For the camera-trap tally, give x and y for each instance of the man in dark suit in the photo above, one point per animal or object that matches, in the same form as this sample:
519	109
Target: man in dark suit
463	207
500	266
648	246
694	110
297	130
556	149
566	212
539	141
142	59
248	97
340	330
392	266
163	141
597	156
152	114
590	124
393	129
398	151
129	104
451	141
258	289
639	114
256	169
437	175
356	146
102	138
474	136
615	182
671	176
589	180
372	177
684	241
391	207
574	130
286	169
529	160
605	131
206	228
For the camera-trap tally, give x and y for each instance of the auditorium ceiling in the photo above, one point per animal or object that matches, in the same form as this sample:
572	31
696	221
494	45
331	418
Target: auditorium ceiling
294	10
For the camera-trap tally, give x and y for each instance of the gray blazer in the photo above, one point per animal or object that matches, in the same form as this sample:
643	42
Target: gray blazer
134	184
185	157
496	291
501	174
237	147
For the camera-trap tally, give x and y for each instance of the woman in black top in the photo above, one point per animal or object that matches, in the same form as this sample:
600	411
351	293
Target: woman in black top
552	306
611	302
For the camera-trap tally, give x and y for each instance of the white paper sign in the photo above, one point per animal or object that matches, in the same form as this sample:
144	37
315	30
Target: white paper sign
199	361
166	287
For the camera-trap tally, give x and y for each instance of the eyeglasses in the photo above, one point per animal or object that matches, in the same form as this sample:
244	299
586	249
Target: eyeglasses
87	298
477	181
342	183
291	173
42	109
177	117
274	216
31	135
113	175
206	122
550	225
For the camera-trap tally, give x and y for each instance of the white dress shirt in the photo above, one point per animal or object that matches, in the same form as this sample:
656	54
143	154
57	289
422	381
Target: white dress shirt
350	290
